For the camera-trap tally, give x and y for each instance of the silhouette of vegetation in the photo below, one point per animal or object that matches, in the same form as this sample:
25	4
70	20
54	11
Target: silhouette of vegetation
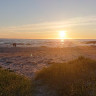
12	84
75	78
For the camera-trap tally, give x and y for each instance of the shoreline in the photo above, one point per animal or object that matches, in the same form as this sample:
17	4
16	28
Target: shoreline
27	61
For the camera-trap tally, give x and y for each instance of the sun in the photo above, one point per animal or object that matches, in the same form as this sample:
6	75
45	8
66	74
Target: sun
62	34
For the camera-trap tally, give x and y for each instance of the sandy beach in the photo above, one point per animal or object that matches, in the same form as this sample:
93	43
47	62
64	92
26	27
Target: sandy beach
27	61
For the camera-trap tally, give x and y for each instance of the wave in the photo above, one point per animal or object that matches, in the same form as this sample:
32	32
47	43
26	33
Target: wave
48	43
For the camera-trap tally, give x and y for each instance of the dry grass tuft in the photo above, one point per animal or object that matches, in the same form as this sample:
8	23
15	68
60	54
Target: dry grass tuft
75	78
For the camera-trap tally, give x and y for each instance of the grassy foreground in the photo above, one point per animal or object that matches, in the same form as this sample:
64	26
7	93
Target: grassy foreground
12	84
75	78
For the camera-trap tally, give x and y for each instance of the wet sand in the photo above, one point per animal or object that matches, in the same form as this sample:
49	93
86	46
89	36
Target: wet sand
27	61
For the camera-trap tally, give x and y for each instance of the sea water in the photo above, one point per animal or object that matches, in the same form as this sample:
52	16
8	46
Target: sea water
46	42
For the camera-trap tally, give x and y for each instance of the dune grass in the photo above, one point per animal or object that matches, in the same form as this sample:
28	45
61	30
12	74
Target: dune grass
75	78
12	84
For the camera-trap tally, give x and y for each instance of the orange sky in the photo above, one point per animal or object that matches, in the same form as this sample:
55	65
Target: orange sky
44	19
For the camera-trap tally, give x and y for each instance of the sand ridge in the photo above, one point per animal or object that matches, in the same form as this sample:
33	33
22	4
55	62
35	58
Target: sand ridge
27	61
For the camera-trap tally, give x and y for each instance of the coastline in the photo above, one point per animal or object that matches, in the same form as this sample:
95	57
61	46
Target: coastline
27	61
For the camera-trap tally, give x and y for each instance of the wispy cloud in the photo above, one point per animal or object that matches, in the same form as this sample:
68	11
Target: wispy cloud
49	26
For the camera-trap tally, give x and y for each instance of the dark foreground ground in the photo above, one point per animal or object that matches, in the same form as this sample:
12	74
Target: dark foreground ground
74	78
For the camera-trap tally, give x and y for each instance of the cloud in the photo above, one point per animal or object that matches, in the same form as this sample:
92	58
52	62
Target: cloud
50	26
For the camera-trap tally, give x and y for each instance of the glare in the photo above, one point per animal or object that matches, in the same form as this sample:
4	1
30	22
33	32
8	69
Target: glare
62	40
62	34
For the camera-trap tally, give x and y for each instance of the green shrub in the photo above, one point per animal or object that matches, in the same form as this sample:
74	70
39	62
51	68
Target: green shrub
12	84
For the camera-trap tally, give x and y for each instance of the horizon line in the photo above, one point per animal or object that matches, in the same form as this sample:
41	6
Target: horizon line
49	39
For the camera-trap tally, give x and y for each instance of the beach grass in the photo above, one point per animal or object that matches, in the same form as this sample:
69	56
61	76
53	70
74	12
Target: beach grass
12	84
74	78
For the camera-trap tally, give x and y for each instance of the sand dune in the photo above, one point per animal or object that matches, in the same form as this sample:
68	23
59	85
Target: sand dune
27	61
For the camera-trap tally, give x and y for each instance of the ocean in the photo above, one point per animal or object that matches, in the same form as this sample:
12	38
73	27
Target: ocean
47	42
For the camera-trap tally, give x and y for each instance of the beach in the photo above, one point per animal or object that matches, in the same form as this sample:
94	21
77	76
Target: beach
29	60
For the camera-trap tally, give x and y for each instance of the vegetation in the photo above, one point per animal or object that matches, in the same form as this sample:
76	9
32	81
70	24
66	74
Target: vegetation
75	78
12	84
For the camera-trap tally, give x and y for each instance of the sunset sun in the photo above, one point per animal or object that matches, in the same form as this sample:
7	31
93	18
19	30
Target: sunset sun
62	34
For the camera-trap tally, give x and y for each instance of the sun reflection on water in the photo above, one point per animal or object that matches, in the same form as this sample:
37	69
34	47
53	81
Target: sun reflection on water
62	40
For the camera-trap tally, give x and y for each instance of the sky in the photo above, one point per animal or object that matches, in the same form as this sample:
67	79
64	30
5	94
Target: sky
44	19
